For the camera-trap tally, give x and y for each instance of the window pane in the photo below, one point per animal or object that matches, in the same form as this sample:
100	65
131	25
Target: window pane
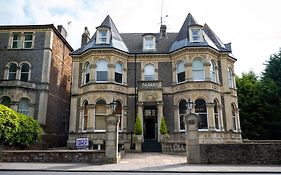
149	72
118	68
202	122
6	101
180	67
217	121
24	72
24	106
100	122
182	127
87	78
100	107
118	77
197	70
12	71
181	77
101	75
16	40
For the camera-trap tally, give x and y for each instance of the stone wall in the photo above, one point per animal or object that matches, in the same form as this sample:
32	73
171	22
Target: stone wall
247	153
74	156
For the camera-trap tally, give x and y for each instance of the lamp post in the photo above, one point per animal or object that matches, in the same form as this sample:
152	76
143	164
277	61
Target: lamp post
113	105
189	105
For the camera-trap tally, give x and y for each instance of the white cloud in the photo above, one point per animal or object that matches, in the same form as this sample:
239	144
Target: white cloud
252	26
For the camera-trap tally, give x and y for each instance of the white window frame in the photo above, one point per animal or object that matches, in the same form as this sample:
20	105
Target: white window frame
181	130
198	70
213	74
119	72
86	71
98	68
199	35
21	41
153	76
101	39
95	114
25	41
178	71
83	128
24	111
149	43
198	113
29	70
8	72
234	117
230	78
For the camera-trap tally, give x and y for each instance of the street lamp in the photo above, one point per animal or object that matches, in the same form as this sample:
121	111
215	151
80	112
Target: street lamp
113	105
189	105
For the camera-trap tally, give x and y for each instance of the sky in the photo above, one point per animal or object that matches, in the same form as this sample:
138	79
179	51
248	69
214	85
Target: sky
252	26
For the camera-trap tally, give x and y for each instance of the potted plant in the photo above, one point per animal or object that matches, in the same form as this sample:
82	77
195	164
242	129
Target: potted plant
163	130
138	133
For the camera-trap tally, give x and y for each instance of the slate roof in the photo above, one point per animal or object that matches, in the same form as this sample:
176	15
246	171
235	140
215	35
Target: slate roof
133	42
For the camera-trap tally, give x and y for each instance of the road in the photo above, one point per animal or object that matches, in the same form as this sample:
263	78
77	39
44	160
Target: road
113	173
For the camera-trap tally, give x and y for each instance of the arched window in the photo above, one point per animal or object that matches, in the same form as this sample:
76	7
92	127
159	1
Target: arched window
86	77
216	114
23	107
24	72
182	112
101	71
100	113
230	78
118	113
85	116
198	70
180	72
118	73
6	101
234	119
213	72
149	72
12	71
201	111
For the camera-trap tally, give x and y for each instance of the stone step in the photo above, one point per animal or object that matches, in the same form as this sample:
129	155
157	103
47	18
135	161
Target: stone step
151	145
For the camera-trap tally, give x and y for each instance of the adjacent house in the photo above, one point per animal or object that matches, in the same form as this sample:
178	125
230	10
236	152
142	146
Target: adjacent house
35	76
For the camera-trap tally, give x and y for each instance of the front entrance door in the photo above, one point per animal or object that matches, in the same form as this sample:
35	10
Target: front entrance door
150	122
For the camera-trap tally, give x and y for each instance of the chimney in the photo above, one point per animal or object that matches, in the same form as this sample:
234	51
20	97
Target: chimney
62	31
163	33
85	37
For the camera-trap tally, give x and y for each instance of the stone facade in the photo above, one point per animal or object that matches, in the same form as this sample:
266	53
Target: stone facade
158	76
35	77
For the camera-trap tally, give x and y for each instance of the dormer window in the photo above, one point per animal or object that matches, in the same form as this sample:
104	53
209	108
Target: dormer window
148	42
195	35
103	36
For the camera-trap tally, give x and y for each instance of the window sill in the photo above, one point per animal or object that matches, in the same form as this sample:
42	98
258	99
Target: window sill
100	131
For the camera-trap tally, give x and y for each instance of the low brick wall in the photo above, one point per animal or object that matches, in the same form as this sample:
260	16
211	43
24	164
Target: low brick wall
74	156
246	153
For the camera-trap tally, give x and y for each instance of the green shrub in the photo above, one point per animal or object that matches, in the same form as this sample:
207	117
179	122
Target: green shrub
17	129
138	126
163	127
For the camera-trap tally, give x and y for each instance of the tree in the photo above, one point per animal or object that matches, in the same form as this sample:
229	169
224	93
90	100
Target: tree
271	95
163	127
250	105
138	126
17	129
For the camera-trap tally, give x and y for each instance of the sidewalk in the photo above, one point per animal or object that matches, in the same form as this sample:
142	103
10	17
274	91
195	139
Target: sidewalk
143	162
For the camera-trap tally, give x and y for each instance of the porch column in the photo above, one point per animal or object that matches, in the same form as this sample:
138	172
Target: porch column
140	114
176	118
210	115
159	116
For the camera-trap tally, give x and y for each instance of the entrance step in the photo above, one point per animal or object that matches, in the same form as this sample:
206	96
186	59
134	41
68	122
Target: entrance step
151	145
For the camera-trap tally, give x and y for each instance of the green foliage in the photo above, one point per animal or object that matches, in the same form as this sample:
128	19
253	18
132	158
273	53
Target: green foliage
17	129
260	101
163	127
138	126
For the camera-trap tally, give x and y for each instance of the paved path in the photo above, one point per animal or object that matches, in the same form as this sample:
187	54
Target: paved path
143	162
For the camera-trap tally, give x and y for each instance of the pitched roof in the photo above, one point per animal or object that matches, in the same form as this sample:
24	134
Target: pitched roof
116	40
133	42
